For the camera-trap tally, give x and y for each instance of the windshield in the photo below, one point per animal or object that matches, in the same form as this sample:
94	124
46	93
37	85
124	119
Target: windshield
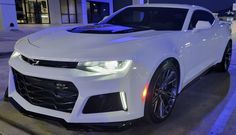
157	18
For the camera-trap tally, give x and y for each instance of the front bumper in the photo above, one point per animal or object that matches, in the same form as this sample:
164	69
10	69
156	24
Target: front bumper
131	83
112	126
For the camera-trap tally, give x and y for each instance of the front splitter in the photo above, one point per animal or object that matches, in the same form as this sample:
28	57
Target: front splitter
88	127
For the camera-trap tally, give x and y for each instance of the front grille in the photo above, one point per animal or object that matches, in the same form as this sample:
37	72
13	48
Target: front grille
46	63
52	94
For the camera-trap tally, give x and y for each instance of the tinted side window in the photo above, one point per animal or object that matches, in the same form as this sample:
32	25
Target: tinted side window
200	15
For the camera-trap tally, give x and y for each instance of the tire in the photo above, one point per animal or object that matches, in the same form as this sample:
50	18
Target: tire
223	66
162	93
6	98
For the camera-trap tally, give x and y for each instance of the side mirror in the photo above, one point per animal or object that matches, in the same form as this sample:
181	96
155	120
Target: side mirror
202	25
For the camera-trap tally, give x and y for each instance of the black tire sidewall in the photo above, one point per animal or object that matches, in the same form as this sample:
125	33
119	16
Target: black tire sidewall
221	66
229	46
6	98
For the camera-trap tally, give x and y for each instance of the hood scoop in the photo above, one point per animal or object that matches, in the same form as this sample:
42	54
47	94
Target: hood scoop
103	29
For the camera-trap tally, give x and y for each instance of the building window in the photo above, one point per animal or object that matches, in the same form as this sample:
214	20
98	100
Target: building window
32	11
97	11
68	11
20	10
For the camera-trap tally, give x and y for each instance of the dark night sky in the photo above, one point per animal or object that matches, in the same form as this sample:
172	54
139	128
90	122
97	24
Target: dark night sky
214	5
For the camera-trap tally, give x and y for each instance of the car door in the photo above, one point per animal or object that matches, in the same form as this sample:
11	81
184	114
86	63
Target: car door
195	47
215	39
210	39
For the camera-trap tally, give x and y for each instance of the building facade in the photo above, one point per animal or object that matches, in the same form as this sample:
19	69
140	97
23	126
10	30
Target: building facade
62	11
54	11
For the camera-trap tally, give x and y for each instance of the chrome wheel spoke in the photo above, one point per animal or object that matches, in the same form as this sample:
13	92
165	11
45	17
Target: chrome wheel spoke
168	76
170	95
155	106
172	81
155	99
161	107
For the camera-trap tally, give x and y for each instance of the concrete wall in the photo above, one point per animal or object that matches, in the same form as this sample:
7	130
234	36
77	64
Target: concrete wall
82	11
7	14
54	11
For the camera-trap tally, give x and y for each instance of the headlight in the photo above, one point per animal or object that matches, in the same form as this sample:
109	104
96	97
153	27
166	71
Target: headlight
15	54
106	67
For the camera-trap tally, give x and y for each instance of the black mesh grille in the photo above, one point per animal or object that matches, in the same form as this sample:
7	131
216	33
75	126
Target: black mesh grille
52	94
58	64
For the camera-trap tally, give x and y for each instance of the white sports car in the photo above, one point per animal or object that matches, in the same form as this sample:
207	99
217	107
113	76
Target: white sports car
131	65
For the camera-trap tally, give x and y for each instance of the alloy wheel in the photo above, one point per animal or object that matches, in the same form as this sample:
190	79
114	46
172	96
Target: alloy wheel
165	93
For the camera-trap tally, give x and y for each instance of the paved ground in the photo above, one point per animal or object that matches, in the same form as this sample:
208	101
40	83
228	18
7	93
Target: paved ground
208	107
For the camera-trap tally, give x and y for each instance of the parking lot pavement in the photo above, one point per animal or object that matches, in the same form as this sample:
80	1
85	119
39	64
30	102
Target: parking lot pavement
9	115
13	131
208	106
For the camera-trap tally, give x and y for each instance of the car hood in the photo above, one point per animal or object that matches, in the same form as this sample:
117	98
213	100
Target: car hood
90	42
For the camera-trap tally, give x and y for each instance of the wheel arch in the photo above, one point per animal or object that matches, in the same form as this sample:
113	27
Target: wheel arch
230	41
175	62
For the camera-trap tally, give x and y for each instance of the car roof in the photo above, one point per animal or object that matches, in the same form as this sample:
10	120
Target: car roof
183	6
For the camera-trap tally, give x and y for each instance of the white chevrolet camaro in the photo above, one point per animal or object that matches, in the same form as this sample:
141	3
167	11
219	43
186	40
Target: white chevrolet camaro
131	65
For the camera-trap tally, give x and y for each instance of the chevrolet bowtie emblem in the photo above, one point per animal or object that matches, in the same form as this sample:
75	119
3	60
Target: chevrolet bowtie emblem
34	62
